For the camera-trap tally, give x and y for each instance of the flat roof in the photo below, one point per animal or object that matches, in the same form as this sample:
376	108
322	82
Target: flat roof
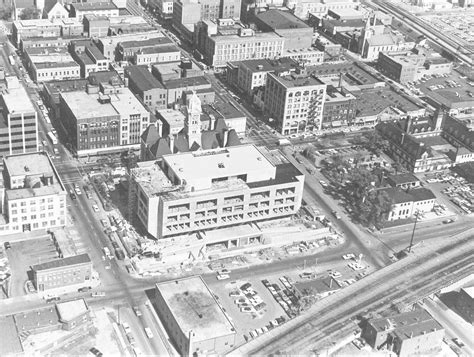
374	101
195	309
30	164
403	319
11	344
403	178
126	104
224	162
348	69
45	65
174	118
17	100
85	106
268	65
186	82
143	79
469	291
278	19
149	42
294	80
222	109
259	36
160	49
91	6
59	263
70	310
36	319
239	231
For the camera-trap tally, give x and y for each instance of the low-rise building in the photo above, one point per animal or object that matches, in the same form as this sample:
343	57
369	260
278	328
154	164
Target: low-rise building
406	204
401	67
48	42
64	27
128	24
339	108
303	8
34	196
240	185
465	304
295	102
96	26
164	8
109	45
406	334
147	87
177	87
159	54
105	8
52	90
110	120
51	63
55	10
73	271
126	50
194	319
89	57
18	120
404	181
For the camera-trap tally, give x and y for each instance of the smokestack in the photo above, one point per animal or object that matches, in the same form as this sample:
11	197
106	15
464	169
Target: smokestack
403	138
409	122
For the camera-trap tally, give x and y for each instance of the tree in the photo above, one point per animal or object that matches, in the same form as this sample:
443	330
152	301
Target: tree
6	13
30	13
374	209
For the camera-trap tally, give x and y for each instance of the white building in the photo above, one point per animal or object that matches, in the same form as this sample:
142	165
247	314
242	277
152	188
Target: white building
164	8
295	102
407	203
208	189
158	54
33	196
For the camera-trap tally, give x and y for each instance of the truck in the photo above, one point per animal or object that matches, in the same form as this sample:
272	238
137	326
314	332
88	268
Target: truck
53	138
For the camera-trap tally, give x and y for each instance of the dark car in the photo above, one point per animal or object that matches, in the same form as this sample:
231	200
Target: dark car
84	289
73	196
53	299
7	245
95	352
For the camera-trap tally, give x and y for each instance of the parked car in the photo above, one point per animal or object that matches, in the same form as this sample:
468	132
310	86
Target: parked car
348	256
148	332
223	276
84	289
7	245
137	311
52	299
96	352
98	294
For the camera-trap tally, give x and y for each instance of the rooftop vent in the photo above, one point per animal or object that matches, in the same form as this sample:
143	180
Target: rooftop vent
220	165
27	169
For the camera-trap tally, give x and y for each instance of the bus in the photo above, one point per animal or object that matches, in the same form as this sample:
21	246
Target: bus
12	60
53	138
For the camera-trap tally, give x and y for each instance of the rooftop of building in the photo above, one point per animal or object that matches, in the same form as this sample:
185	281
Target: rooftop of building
186	82
195	309
127	20
351	23
347	13
268	65
17	100
130	37
384	39
469	290
50	50
351	71
64	262
30	164
221	109
11	345
401	320
421	194
84	59
319	286
149	42
159	49
108	77
70	310
85	106
126	104
400	179
279	20
297	80
222	162
36	319
94	6
257	37
405	58
46	65
334	95
142	78
174	118
374	101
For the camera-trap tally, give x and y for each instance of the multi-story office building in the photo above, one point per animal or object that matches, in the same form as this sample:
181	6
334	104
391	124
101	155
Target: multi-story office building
224	41
18	121
96	26
60	273
240	184
147	87
106	8
33	195
186	13
295	102
164	8
103	121
230	9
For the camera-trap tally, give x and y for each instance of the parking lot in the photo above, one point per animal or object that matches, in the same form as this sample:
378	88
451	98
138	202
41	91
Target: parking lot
22	255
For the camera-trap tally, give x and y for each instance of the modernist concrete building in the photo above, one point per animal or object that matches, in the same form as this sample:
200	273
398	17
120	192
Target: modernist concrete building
33	195
72	271
193	318
18	120
295	102
110	120
240	185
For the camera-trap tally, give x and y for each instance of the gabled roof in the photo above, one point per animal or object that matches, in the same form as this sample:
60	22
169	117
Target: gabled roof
181	143
209	140
161	147
150	135
233	138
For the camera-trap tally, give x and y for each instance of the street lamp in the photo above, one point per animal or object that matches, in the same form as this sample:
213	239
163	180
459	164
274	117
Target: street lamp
417	213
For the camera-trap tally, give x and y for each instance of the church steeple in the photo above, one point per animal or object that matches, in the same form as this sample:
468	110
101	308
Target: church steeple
192	124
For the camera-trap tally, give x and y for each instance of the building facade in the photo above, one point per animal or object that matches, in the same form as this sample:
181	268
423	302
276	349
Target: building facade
295	102
161	54
33	195
339	108
141	82
106	8
60	273
401	67
239	185
18	122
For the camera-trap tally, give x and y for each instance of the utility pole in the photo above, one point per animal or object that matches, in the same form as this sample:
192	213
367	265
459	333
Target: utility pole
413	232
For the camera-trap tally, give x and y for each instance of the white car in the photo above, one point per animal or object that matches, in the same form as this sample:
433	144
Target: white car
95	207
335	274
223	276
148	332
78	191
323	183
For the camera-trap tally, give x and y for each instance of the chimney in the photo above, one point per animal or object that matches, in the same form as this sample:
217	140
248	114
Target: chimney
439	118
403	138
212	121
225	137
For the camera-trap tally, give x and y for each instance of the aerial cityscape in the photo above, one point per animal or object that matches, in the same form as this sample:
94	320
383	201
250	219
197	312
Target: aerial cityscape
237	178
